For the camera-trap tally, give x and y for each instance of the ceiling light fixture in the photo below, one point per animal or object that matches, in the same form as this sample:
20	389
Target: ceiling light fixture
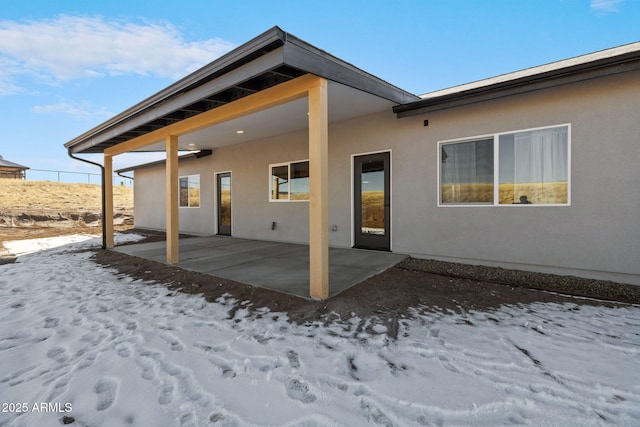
239	132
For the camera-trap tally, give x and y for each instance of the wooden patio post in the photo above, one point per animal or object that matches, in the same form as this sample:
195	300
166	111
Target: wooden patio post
173	256
318	191
108	202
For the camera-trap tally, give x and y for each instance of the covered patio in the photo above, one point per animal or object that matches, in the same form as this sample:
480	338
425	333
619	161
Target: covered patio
273	85
283	267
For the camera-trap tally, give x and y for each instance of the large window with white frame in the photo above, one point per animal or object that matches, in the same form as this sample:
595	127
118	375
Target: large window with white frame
289	181
525	167
189	191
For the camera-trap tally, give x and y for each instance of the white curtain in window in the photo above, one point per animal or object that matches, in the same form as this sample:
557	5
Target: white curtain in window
467	170
459	163
541	155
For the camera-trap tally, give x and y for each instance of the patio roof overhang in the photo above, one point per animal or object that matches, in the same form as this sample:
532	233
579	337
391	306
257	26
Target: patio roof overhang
272	58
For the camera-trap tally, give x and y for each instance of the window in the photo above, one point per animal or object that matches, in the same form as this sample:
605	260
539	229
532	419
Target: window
466	174
289	182
190	191
515	168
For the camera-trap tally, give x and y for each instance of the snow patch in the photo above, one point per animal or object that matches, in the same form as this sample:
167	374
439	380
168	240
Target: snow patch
125	352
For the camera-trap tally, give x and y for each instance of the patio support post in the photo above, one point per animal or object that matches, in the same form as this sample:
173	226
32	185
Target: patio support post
108	201
318	191
172	199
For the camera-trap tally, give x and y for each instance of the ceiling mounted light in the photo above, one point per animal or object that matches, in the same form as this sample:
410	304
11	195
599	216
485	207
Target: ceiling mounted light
239	132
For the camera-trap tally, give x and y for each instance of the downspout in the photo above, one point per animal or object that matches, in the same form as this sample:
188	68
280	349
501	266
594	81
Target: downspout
124	176
104	196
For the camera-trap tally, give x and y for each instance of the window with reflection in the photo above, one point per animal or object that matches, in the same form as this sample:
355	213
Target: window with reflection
289	181
528	167
189	191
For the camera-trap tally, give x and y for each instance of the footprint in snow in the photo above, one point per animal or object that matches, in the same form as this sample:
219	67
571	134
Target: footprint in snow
447	364
51	322
87	361
17	305
148	370
59	387
187	420
294	360
59	354
298	390
227	372
107	391
166	394
173	341
124	350
374	414
132	326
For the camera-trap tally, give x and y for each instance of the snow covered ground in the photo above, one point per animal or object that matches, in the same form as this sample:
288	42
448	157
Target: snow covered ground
108	350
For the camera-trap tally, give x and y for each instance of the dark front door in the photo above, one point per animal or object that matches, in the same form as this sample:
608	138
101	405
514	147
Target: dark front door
224	203
372	196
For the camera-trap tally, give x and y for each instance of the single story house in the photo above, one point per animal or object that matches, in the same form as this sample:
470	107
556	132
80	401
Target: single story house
12	170
533	170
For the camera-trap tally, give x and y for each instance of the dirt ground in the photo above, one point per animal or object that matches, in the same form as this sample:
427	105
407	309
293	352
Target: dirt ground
389	296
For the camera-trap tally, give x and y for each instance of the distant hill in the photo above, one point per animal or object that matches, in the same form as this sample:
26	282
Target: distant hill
31	209
16	194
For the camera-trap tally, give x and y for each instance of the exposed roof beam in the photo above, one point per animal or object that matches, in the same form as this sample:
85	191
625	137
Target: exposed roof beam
244	72
268	98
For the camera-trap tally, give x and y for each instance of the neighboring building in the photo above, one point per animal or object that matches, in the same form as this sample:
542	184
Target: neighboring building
534	170
12	170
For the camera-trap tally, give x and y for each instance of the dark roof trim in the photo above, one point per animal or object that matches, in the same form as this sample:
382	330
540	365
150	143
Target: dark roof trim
534	81
269	59
7	164
185	157
254	48
300	54
173	103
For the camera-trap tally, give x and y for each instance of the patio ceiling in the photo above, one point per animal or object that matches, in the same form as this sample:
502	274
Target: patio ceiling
344	103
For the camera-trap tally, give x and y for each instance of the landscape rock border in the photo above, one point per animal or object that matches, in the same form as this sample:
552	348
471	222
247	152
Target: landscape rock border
569	285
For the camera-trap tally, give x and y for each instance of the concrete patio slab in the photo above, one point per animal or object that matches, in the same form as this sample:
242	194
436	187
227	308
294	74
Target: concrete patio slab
283	267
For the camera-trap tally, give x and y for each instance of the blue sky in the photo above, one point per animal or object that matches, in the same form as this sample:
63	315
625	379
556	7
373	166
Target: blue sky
67	66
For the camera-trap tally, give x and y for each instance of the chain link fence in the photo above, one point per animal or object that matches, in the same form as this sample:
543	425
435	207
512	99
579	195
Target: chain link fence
73	177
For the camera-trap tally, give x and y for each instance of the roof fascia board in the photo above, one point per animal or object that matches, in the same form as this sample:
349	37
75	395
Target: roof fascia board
462	100
247	71
299	54
271	36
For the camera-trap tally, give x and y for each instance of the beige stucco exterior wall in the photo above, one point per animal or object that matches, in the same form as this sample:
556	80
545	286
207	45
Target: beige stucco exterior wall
597	236
600	231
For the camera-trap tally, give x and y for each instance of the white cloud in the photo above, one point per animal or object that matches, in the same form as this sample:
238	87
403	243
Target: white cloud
71	47
605	6
79	110
8	85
